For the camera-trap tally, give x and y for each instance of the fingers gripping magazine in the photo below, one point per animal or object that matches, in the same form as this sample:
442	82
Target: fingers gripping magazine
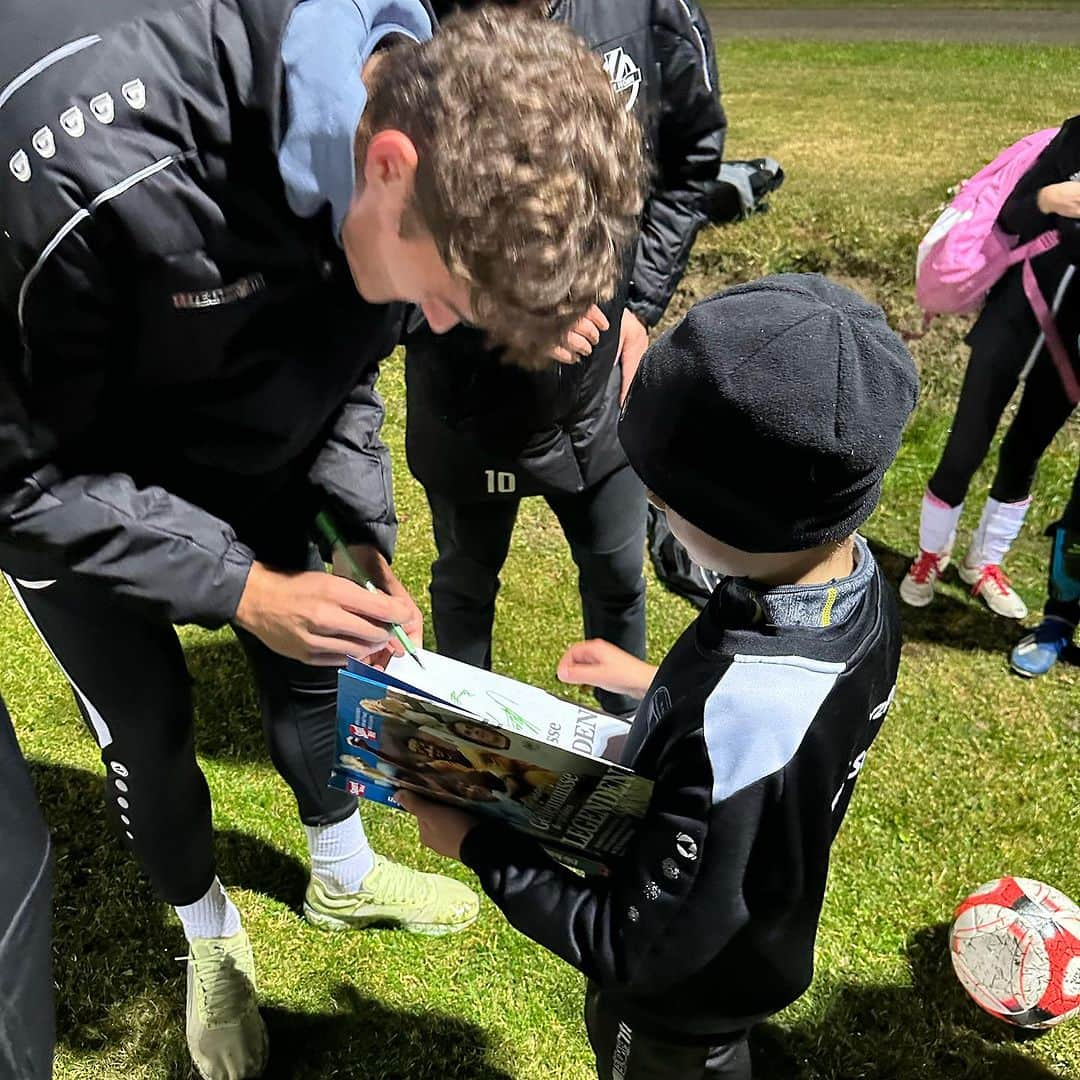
492	746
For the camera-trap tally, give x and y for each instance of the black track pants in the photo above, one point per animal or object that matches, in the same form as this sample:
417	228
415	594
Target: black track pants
605	526
134	692
26	1004
989	384
625	1053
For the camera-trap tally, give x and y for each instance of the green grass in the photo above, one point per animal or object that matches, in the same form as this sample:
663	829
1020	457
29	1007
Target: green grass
973	776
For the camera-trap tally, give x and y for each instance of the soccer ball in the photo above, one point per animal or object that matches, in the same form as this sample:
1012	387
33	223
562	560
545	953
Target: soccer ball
1015	946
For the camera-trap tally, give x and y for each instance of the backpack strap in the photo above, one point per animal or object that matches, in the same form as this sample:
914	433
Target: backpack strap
1039	246
1045	318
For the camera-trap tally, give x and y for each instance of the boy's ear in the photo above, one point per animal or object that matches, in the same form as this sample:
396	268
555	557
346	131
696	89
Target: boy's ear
390	165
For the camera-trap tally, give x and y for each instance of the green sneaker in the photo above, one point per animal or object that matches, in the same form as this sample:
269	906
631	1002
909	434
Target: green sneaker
394	895
225	1033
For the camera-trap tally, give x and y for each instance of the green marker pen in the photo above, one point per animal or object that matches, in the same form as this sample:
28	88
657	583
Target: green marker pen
325	524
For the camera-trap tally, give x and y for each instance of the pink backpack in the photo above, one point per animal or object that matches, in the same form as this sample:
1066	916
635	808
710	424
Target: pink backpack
965	252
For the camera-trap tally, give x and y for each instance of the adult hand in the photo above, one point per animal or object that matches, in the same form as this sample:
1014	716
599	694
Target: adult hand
318	618
1062	199
442	828
582	338
599	663
633	341
372	562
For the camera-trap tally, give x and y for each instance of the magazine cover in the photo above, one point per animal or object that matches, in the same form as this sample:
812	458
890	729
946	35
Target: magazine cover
492	746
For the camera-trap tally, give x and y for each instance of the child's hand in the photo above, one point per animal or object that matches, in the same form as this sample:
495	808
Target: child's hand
1062	199
580	340
599	663
442	828
633	341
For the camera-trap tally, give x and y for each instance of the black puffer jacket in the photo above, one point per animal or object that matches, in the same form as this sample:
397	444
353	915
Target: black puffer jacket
479	428
186	369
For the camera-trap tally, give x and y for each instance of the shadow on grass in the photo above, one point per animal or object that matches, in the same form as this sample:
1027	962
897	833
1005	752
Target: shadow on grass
930	1029
118	984
365	1038
956	621
114	943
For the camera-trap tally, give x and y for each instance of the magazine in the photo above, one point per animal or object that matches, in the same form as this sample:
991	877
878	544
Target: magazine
491	746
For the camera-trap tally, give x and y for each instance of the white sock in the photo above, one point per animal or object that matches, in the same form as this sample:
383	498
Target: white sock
214	915
999	526
340	854
937	523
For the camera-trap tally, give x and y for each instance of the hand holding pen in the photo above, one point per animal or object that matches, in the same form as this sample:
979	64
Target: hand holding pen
329	530
321	619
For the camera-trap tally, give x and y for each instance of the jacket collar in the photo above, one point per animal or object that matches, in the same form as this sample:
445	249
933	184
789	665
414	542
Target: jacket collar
324	48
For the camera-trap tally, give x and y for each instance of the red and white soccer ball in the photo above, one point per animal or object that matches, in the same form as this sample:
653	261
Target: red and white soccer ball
1015	946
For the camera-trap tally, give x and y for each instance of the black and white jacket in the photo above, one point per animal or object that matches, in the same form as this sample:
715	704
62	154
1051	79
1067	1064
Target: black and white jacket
477	427
754	735
186	369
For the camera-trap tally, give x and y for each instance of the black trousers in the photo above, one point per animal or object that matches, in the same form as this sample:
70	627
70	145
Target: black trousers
27	1025
623	1053
605	526
989	383
133	689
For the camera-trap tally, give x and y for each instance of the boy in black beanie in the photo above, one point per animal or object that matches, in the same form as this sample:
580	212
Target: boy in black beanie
763	424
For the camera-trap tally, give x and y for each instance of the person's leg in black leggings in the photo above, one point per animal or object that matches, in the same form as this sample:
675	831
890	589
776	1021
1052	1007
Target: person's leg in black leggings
27	1022
299	710
472	540
133	689
1044	408
605	526
134	692
989	383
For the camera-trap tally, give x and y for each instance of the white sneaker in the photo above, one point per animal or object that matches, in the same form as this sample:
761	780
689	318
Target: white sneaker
917	588
992	584
225	1033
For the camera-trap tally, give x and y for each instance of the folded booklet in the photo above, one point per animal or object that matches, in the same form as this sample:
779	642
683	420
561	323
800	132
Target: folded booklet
493	747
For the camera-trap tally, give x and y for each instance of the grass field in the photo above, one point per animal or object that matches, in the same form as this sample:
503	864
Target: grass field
973	776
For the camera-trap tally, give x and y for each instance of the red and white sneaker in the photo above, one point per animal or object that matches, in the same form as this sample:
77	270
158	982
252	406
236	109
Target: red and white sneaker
917	588
992	584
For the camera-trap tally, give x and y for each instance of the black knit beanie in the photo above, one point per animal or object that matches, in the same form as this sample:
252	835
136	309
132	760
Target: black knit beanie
769	415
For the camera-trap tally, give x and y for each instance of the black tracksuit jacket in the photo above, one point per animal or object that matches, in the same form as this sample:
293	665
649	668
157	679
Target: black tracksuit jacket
754	737
469	414
186	369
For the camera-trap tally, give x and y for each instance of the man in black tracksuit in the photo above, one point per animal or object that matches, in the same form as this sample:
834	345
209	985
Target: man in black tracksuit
481	435
757	723
212	212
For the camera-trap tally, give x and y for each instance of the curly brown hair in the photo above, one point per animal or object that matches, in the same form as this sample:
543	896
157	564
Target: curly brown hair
531	174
